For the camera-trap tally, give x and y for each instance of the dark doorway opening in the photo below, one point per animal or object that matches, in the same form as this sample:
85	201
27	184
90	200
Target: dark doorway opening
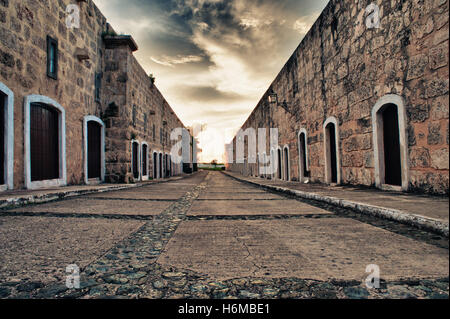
391	140
94	149
165	166
279	164
144	159
155	165
286	165
44	142
303	166
160	166
332	151
135	155
2	137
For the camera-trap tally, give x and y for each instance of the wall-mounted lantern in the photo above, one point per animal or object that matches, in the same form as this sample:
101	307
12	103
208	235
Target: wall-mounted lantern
273	98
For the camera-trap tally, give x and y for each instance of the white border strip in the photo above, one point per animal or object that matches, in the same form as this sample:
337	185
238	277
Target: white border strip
333	120
86	119
144	177
9	138
62	181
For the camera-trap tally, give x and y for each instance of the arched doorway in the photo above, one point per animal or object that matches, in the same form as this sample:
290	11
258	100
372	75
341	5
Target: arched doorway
164	165
144	161
167	166
94	149
6	138
45	143
135	159
303	157
390	143
332	173
44	128
160	161
286	164
94	143
155	165
279	165
2	138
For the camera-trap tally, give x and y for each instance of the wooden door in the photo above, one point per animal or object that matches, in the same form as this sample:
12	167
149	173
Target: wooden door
303	167
332	147
44	142
144	160
2	138
155	165
160	175
286	164
279	165
135	160
94	149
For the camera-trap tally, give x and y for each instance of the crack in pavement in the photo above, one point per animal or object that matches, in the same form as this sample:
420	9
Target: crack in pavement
135	254
235	235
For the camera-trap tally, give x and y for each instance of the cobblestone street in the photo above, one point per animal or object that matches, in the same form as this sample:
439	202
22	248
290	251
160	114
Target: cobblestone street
210	236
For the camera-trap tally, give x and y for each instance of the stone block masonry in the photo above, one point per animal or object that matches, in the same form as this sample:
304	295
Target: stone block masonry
385	88
96	77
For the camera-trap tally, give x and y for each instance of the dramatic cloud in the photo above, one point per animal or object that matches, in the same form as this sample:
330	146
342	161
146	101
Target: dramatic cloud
213	59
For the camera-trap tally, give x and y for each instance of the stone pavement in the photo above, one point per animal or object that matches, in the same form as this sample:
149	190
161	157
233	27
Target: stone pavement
17	198
211	236
422	211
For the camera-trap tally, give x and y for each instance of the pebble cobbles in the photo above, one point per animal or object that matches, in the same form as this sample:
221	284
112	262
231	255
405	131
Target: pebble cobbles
130	270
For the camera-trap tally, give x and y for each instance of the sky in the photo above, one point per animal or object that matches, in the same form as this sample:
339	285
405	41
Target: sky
213	59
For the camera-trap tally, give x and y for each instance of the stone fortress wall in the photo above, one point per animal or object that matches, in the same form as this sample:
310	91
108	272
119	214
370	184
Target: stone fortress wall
342	78
86	55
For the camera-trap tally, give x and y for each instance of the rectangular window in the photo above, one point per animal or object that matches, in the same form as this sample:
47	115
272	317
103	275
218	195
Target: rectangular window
98	83
52	58
145	123
154	133
160	136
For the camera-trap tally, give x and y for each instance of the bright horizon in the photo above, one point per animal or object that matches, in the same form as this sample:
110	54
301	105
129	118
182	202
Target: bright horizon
213	59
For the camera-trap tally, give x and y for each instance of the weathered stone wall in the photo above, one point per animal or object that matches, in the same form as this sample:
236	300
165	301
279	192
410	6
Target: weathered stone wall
342	68
151	109
24	26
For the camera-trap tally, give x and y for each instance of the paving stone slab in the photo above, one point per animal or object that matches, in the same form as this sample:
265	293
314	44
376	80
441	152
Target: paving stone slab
96	206
147	195
130	268
421	211
39	249
239	196
253	207
235	190
337	248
